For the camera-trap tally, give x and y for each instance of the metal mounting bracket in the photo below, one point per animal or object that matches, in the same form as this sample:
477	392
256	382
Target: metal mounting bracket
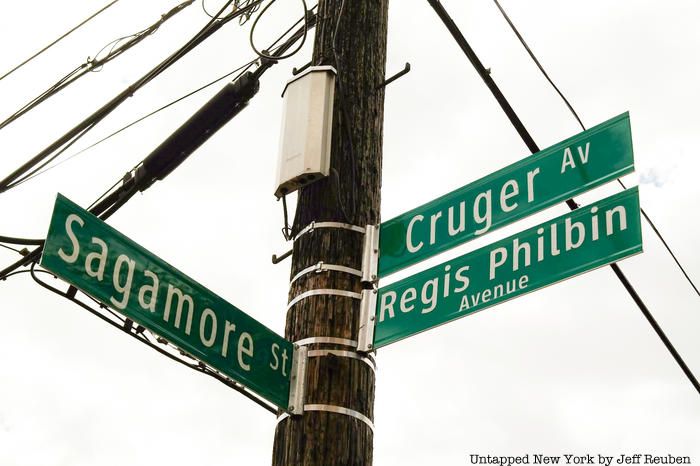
297	385
370	255
368	305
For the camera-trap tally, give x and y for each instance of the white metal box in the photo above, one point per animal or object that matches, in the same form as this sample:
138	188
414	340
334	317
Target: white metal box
305	141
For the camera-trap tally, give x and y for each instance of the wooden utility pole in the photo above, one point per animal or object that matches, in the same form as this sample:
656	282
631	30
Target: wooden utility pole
336	426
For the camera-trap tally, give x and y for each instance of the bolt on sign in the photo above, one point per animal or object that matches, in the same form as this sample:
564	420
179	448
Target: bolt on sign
587	238
578	164
97	259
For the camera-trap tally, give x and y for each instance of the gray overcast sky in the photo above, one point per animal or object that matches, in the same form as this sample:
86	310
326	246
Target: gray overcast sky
573	368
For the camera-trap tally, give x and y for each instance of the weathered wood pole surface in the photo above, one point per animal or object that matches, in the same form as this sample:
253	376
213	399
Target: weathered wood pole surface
351	36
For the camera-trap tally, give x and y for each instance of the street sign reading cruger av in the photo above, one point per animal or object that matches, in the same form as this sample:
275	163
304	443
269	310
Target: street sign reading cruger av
97	259
578	164
582	240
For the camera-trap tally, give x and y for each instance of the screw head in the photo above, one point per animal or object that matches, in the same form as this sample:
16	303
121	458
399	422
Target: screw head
291	408
370	346
371	318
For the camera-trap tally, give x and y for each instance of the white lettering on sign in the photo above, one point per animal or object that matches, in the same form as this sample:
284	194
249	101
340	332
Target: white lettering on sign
575	235
409	231
124	289
429	294
455	222
434	288
179	307
245	348
568	158
276	363
100	256
207	341
498	291
152	289
72	257
181	297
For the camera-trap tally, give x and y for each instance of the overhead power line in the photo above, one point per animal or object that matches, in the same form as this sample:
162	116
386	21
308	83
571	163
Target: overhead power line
167	156
95	64
156	166
10	248
55	149
240	70
163	159
525	135
21	241
573	112
265	54
57	40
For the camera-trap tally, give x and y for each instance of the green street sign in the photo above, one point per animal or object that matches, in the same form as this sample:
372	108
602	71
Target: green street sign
578	164
97	259
580	241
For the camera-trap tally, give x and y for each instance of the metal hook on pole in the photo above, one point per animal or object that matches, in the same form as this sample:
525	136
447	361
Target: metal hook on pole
390	80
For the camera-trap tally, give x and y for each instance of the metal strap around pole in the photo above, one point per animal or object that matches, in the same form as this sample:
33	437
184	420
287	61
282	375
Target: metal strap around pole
322	292
340	410
333	409
313	225
344	354
326	340
322	267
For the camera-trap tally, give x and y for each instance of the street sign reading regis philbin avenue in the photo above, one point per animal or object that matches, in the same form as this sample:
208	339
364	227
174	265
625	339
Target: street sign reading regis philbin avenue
97	259
579	241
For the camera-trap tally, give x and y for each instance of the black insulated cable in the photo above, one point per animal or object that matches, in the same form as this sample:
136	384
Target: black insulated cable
93	65
525	135
583	127
88	123
57	40
241	69
21	241
161	161
484	74
218	111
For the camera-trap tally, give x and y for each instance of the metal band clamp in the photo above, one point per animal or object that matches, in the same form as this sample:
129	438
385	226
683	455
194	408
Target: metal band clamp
322	267
333	409
326	340
344	354
321	292
340	410
313	225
